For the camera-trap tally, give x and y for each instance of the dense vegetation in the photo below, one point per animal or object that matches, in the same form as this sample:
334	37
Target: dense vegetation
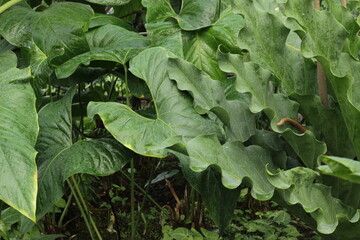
228	92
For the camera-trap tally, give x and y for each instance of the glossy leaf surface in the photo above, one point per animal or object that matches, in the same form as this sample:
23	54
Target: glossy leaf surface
18	132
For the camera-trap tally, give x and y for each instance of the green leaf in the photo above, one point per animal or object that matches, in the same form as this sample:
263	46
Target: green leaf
175	115
235	161
110	2
103	19
196	14
208	94
325	35
18	132
107	43
219	200
275	48
327	122
198	47
158	11
62	24
298	187
253	79
8	60
59	158
343	168
324	39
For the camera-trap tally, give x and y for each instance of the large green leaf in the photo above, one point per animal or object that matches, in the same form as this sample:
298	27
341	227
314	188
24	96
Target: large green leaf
18	133
48	37
334	132
344	168
253	79
107	43
175	115
235	161
198	47
315	198
219	200
209	95
325	38
194	14
275	48
59	158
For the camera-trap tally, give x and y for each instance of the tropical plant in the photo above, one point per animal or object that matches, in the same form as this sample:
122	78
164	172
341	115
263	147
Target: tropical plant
227	83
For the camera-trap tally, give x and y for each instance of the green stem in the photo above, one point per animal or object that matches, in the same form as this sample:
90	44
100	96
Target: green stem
82	200
49	92
147	189
132	199
126	86
81	123
78	203
65	209
142	191
113	83
8	5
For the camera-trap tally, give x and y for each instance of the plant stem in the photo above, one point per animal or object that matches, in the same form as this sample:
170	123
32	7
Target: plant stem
344	3
81	123
142	190
321	76
317	4
82	200
78	203
126	85
113	83
65	209
132	199
322	85
8	5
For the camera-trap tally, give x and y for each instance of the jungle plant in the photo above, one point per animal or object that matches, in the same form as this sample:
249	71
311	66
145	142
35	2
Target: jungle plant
218	79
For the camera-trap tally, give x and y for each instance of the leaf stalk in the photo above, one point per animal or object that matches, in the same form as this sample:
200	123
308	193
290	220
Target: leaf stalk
8	5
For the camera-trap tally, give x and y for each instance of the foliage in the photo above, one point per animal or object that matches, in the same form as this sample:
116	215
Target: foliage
217	77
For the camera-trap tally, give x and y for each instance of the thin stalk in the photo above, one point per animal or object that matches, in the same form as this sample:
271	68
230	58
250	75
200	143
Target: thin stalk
344	3
78	203
112	87
147	189
142	190
50	92
317	4
322	85
65	209
321	76
126	86
82	200
8	5
132	199
81	124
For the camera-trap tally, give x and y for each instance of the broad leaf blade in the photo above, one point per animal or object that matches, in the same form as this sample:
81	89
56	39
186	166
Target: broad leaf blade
253	79
62	24
18	132
343	168
107	43
219	200
235	161
315	198
275	48
175	114
99	157
60	159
